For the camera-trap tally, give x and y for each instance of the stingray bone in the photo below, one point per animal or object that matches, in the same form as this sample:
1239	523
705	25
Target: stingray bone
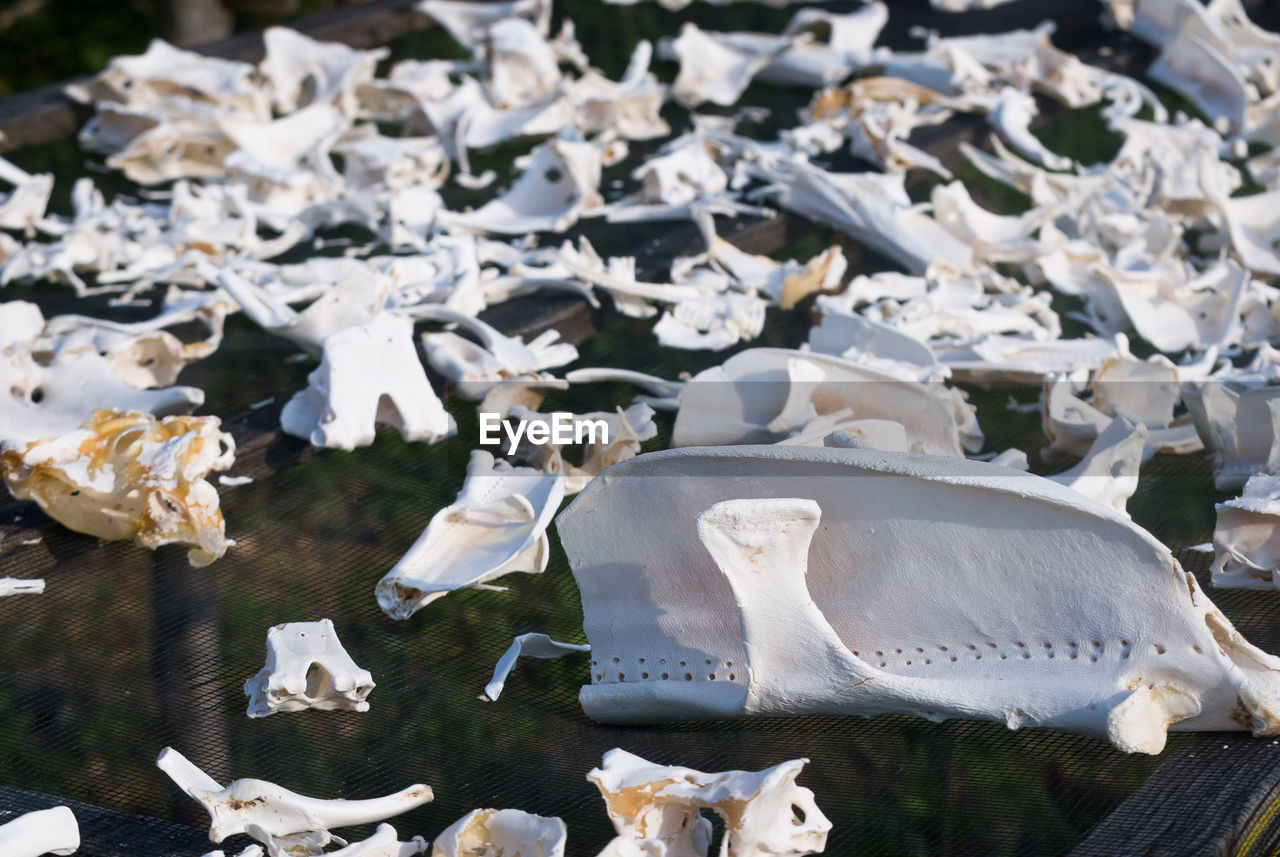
266	811
469	22
529	646
1239	421
662	802
711	322
765	394
302	71
127	475
1108	473
613	437
763	515
496	526
369	374
522	68
502	833
45	831
1246	537
559	186
307	667
477	368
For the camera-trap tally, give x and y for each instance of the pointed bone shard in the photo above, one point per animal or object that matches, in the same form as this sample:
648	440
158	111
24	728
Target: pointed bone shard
288	681
267	811
786	568
46	831
529	646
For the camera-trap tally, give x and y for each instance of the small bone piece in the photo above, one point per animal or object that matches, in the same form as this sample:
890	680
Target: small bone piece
496	526
288	681
1238	420
383	843
129	476
15	586
502	833
1246	539
1109	471
369	374
529	646
660	802
1086	624
268	812
46	831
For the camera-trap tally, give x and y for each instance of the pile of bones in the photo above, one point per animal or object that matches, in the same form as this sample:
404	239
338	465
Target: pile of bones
1172	247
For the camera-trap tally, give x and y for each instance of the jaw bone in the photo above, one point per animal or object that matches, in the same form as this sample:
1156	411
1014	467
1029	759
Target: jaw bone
819	570
288	683
658	805
46	831
270	813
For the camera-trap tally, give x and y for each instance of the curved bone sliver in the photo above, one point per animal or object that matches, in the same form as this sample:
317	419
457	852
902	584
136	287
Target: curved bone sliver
1246	538
496	526
1030	640
15	586
873	343
559	186
369	374
648	802
529	646
1108	473
288	683
1018	360
46	831
45	401
127	475
502	833
1011	115
267	811
764	394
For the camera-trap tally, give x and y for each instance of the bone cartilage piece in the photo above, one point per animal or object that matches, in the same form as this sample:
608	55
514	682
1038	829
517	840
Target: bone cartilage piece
502	833
656	807
1246	537
270	813
383	843
288	683
17	586
694	568
529	646
46	831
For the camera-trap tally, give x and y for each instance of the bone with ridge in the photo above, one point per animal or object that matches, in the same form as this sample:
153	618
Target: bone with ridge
1246	538
270	813
127	475
288	681
502	833
660	804
45	831
527	646
496	526
1124	661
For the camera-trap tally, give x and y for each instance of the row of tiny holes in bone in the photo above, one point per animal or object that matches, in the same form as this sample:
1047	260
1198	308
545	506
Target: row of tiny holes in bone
665	674
1074	651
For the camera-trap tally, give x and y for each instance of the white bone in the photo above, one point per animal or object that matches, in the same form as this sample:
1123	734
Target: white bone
302	71
765	394
711	70
1121	647
383	843
662	802
1240	422
267	811
522	67
288	681
1108	473
469	22
1246	540
559	186
369	374
866	434
127	475
496	526
1016	359
45	401
477	369
16	586
872	343
25	205
250	851
499	832
529	646
1011	115
629	108
45	831
712	323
